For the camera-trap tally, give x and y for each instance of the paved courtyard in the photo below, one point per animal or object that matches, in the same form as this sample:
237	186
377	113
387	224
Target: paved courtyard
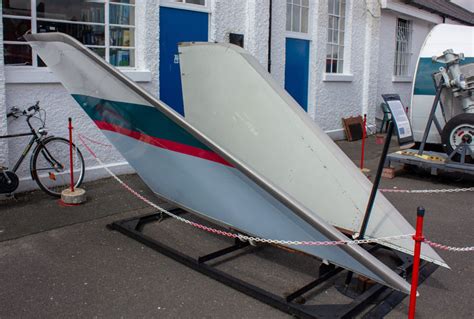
62	262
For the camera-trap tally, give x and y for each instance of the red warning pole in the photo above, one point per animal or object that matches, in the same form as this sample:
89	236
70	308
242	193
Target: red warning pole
364	134
418	237
70	154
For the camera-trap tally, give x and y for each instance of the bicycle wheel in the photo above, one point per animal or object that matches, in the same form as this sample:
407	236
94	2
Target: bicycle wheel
50	166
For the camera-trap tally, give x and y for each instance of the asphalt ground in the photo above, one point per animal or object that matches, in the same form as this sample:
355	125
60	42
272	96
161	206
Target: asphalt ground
62	262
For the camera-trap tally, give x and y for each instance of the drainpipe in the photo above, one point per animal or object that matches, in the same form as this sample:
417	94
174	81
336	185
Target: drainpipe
269	66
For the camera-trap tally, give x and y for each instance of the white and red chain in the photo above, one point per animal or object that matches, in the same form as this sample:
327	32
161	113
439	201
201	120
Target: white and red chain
250	238
427	191
449	248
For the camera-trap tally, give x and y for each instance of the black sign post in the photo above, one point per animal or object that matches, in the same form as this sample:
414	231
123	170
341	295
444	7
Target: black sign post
377	179
405	139
375	187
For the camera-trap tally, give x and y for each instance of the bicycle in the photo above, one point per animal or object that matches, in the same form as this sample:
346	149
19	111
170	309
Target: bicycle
49	161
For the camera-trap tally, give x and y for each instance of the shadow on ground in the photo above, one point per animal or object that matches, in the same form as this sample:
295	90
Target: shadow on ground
62	262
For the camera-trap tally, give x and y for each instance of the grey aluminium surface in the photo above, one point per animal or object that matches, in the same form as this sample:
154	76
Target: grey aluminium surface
41	43
233	100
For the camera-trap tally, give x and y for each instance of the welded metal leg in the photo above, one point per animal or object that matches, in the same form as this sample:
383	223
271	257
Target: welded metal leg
148	219
392	297
437	125
439	89
238	245
463	152
350	274
138	223
313	284
348	280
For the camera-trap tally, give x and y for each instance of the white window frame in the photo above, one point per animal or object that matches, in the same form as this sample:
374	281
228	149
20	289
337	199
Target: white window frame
402	58
298	34
186	6
339	44
34	19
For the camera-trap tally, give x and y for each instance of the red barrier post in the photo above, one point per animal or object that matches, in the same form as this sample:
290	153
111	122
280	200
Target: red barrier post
418	237
364	134
70	154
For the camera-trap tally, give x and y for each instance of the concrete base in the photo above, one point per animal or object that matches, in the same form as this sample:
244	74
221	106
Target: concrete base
73	198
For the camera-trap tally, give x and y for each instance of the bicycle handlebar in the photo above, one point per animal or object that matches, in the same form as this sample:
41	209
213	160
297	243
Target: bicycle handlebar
15	112
34	107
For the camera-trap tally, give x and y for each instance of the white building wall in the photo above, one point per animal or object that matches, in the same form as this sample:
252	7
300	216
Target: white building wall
257	29
371	57
147	17
326	104
3	109
227	16
60	105
278	41
336	96
387	83
250	18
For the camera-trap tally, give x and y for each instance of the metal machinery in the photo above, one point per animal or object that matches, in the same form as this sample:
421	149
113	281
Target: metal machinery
454	97
457	135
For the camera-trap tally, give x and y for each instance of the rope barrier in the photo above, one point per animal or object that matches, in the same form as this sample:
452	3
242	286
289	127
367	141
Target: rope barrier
256	239
94	141
427	191
448	248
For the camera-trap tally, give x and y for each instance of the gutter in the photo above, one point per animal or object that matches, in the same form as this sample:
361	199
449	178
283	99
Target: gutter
270	16
420	11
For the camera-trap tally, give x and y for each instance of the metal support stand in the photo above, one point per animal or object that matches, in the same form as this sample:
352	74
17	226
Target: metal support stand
377	179
432	118
133	228
462	149
375	187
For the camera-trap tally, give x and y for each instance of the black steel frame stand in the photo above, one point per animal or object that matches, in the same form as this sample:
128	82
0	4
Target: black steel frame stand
381	298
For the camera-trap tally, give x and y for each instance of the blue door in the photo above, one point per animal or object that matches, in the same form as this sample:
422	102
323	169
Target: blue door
297	70
176	26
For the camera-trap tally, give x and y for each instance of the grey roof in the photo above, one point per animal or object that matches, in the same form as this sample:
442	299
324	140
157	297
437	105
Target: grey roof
446	9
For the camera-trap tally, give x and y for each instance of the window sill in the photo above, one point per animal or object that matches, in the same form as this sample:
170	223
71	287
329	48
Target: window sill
335	77
402	79
43	75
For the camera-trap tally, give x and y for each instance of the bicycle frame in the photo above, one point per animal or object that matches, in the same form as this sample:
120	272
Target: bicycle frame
45	161
34	139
